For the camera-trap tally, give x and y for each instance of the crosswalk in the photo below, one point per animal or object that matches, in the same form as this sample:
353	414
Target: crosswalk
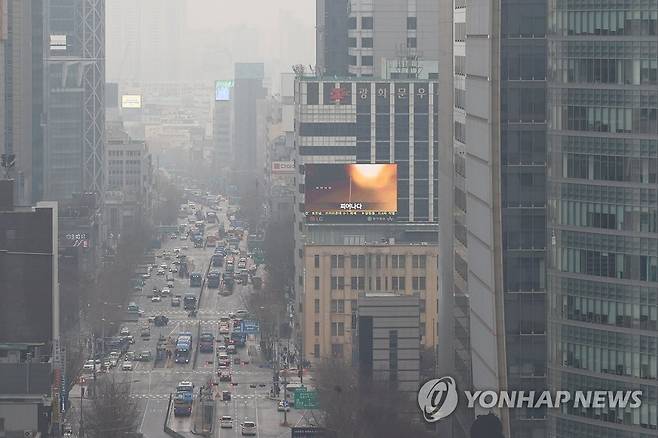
166	396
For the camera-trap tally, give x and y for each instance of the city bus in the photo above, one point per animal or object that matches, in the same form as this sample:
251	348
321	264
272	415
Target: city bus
189	302
183	404
206	342
195	279
213	279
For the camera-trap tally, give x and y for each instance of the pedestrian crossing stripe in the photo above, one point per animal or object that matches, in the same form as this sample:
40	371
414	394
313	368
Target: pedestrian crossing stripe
166	396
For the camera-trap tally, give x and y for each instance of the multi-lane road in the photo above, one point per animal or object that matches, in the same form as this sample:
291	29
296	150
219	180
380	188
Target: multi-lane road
152	382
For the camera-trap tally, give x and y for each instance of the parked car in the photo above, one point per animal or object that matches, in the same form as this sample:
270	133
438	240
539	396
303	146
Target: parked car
248	428
226	422
127	365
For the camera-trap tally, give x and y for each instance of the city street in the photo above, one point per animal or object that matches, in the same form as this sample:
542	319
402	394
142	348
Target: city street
152	382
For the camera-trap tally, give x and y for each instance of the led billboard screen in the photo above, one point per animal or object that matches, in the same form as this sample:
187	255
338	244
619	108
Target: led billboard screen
223	90
133	101
350	190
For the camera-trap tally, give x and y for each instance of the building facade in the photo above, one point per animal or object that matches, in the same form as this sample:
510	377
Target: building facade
492	172
335	276
21	94
603	150
381	30
248	90
331	50
75	126
388	340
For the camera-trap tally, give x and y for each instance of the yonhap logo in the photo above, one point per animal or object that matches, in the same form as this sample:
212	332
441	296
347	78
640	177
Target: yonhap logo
438	398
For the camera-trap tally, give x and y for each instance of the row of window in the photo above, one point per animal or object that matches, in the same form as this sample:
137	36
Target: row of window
610	168
608	216
368	23
122	153
609	264
609	312
379	261
418	283
605	119
605	71
604	22
609	360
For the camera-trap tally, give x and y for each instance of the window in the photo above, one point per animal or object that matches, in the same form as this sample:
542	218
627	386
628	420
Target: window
337	329
316	261
398	261
337	350
317	329
351	23
418	283
460	32
353	60
316	350
337	306
300	280
353	305
357	261
378	283
366	60
378	261
418	261
358	283
366	23
337	283
337	261
411	23
366	43
398	283
351	42
317	305
411	42
317	283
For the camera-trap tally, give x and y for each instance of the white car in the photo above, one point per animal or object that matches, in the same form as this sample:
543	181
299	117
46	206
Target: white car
224	330
146	276
127	366
89	365
248	428
125	331
165	292
226	422
156	299
161	271
241	313
283	406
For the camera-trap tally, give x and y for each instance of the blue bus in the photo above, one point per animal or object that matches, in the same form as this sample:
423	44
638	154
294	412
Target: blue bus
189	302
213	279
183	404
195	279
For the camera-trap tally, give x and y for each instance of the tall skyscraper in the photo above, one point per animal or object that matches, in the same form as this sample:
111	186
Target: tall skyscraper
382	32
75	124
248	89
492	202
21	92
331	37
603	198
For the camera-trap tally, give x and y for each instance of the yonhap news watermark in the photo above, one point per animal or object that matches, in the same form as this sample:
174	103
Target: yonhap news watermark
438	398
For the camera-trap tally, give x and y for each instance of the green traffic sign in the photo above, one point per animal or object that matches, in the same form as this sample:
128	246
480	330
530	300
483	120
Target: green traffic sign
305	399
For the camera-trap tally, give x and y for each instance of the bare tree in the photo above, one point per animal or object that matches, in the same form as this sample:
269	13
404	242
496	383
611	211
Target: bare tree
112	413
358	408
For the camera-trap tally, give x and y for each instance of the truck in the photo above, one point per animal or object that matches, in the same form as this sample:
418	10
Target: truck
195	279
189	302
206	342
183	404
213	279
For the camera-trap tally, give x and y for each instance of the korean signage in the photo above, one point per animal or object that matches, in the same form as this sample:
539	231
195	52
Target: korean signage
223	90
283	167
305	399
131	101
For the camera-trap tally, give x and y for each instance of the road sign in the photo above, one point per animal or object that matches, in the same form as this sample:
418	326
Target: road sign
305	399
249	326
307	432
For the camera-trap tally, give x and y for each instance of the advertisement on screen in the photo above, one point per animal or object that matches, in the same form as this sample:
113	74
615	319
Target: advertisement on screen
352	190
132	101
223	90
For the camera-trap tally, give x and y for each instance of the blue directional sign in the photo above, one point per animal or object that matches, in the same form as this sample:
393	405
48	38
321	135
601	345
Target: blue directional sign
249	326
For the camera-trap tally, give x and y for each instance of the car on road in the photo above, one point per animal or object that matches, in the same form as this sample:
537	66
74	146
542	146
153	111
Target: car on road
89	365
161	271
241	313
224	330
145	332
231	315
146	276
156	299
144	356
231	349
175	301
125	331
173	236
283	406
165	292
248	428
130	355
170	284
236	360
185	386
252	385
127	365
226	422
224	376
226	395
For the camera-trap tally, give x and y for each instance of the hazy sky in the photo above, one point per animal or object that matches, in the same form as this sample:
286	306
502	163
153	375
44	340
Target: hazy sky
190	40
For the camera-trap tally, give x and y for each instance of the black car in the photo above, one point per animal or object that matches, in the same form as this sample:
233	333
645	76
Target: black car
161	321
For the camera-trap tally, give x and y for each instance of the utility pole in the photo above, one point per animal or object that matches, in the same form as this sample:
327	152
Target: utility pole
81	429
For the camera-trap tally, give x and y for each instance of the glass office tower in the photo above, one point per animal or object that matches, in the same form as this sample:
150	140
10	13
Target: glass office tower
603	202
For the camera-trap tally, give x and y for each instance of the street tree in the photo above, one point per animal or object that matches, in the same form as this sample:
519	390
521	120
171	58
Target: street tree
111	413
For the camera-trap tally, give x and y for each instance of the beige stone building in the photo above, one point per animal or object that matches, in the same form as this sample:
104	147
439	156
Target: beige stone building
334	275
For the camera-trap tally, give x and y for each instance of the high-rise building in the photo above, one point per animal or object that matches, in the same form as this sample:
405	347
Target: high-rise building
602	220
331	37
248	90
21	94
381	31
75	96
492	171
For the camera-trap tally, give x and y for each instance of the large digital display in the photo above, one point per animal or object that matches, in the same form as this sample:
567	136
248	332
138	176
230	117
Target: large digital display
350	190
131	101
223	90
